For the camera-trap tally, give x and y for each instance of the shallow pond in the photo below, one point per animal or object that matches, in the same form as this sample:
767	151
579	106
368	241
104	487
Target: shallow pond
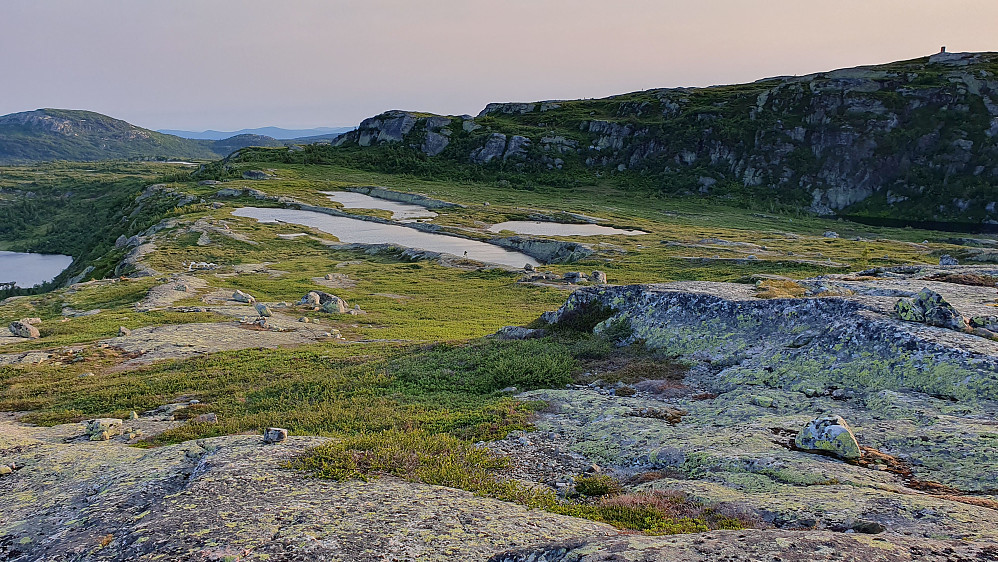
28	270
540	228
400	211
356	231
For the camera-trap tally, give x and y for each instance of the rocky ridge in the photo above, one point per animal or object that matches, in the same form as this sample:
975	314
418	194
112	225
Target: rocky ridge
878	141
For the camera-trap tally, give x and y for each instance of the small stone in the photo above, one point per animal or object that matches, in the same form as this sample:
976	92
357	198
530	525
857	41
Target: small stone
830	234
86	374
947	259
508	390
5	470
528	267
329	277
240	296
829	434
133	415
123	331
275	435
304	320
210	417
599	277
263	310
181	287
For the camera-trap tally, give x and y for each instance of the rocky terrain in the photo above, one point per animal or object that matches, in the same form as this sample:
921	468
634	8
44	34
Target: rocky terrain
920	401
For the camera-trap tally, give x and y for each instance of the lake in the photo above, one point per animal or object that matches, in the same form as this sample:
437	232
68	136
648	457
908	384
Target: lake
356	231
28	270
400	211
540	228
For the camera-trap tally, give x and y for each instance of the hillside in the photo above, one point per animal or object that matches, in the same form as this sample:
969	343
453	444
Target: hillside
273	132
59	134
914	140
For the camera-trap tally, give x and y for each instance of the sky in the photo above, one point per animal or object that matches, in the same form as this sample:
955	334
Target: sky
232	64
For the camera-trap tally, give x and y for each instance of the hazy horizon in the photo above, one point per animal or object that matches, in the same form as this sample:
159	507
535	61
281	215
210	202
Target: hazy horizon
240	64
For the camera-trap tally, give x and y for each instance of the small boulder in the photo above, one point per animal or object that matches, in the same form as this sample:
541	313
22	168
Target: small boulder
256	175
5	470
335	306
830	234
123	331
599	277
181	287
275	435
947	259
528	267
829	434
518	333
240	296
210	417
929	307
102	429
574	277
263	310
22	329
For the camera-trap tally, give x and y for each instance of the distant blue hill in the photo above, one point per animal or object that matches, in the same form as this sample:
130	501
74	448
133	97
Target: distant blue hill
273	132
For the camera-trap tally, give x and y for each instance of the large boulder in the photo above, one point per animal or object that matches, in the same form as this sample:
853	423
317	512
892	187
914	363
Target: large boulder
931	308
494	148
829	434
22	329
434	143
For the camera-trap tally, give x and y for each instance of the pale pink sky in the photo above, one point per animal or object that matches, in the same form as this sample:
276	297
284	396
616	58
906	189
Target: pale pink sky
229	64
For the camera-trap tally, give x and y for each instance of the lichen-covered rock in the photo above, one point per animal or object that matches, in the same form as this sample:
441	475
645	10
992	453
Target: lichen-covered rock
829	434
929	306
102	429
948	260
598	277
240	296
263	310
22	329
336	305
123	331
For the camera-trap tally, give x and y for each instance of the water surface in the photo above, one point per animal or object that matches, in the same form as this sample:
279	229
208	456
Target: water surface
356	231
540	228
400	211
28	270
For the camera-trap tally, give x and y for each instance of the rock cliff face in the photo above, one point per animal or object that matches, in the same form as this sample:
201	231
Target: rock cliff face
915	139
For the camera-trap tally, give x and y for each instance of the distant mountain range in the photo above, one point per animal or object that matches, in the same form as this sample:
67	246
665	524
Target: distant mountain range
272	132
62	134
